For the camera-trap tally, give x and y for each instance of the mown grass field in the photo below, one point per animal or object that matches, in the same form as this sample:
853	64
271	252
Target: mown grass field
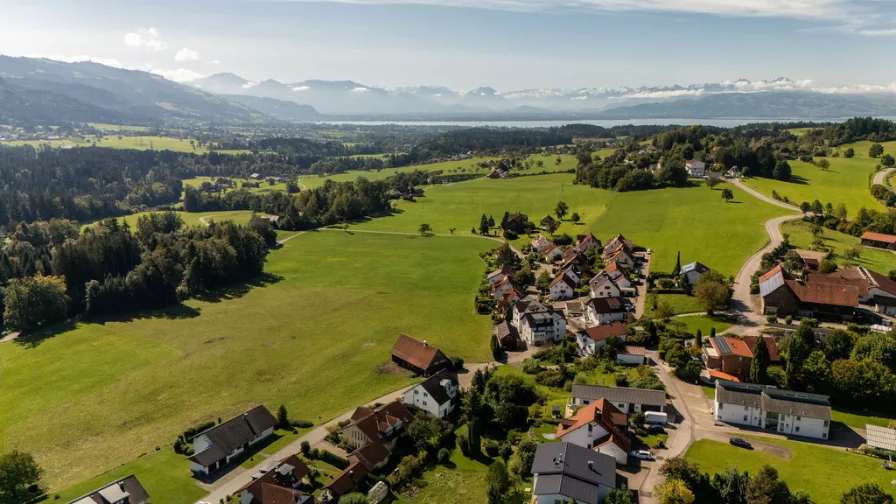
877	260
705	324
826	473
315	336
680	303
263	188
192	219
467	166
846	181
141	142
695	220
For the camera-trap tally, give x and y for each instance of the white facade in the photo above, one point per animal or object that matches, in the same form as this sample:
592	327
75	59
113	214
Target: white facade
604	318
602	492
781	423
419	397
588	346
540	335
737	414
540	244
586	436
562	290
553	253
602	286
696	168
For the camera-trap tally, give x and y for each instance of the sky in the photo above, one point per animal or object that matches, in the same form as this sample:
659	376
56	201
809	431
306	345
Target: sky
464	44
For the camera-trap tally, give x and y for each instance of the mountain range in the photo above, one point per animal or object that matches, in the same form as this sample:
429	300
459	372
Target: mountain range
49	92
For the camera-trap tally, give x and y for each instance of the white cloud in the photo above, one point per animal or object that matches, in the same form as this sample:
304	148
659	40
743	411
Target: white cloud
177	74
148	38
360	90
216	62
186	54
301	88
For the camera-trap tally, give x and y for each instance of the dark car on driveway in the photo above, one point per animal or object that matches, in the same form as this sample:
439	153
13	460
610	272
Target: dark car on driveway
656	429
736	441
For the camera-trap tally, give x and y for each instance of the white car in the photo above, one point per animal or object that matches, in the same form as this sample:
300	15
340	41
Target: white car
642	455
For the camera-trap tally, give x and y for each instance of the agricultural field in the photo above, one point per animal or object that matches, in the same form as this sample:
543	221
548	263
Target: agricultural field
801	236
264	187
822	471
314	334
846	181
467	166
141	142
663	220
193	219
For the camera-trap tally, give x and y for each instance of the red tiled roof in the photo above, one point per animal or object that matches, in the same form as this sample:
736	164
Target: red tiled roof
722	376
562	277
603	413
832	294
633	350
879	237
738	347
414	352
347	481
777	270
769	343
267	490
602	332
848	277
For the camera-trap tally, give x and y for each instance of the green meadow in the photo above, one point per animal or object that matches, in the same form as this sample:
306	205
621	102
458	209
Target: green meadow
826	473
264	186
846	181
140	142
801	236
314	335
695	220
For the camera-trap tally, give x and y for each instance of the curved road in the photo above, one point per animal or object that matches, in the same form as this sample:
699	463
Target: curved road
741	300
881	177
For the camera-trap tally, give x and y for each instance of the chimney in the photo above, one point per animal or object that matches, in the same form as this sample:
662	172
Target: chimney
425	343
590	465
121	485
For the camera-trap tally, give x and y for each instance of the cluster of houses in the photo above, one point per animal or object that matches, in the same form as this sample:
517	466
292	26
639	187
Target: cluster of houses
833	296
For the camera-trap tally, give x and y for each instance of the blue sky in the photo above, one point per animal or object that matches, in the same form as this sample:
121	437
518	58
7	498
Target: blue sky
505	44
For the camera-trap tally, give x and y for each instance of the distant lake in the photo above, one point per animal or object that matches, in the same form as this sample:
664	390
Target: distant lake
721	123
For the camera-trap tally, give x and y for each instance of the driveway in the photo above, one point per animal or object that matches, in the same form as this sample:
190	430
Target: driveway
642	289
881	177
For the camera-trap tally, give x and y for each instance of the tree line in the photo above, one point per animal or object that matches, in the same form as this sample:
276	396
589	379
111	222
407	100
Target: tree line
50	271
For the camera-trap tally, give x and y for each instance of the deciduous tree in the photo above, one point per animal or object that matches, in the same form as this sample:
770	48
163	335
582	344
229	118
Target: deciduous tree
19	477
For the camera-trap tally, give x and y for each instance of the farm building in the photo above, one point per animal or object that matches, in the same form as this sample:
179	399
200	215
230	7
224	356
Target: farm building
821	296
879	240
418	356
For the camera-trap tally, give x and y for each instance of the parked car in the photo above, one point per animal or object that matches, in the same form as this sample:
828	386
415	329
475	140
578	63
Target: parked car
642	455
656	429
736	441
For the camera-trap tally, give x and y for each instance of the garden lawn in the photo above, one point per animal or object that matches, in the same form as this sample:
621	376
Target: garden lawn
695	220
846	181
441	484
680	303
826	473
877	260
705	323
315	337
859	419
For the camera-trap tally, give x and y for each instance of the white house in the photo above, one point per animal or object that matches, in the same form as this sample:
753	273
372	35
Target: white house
553	253
281	479
540	244
695	168
218	445
783	411
564	472
437	395
127	490
586	243
606	285
501	287
594	338
621	255
694	271
563	287
542	327
606	310
599	427
522	308
631	355
498	275
627	400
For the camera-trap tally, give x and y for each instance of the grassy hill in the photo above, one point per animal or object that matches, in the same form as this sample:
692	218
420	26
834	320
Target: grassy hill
315	337
694	220
846	181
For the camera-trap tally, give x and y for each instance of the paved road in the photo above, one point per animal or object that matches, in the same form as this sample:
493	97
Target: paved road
881	176
742	302
642	291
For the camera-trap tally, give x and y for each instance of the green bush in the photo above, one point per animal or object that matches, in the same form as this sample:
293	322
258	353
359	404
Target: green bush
772	319
444	456
788	319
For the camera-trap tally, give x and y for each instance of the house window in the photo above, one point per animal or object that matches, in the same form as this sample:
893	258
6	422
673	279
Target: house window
721	405
424	403
797	428
825	423
745	418
824	435
797	418
416	392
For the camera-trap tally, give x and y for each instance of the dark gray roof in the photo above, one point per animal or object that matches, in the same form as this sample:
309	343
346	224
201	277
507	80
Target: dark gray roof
558	484
572	462
227	436
543	318
608	305
433	386
129	485
770	285
774	400
619	394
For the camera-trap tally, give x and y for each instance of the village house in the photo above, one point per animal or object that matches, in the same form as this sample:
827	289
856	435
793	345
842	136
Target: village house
502	287
587	242
783	411
373	433
564	472
819	296
693	271
616	242
604	285
499	275
622	255
811	259
594	338
516	223
127	490
553	253
695	168
277	484
577	262
733	356
543	327
508	336
218	445
627	400
437	395
547	221
418	356
509	298
606	310
879	240
563	286
349	480
630	355
540	244
524	307
599	426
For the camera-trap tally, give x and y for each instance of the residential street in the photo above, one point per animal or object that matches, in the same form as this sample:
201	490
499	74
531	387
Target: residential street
881	176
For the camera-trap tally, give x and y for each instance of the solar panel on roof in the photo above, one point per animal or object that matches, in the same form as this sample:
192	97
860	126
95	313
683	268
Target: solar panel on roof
722	345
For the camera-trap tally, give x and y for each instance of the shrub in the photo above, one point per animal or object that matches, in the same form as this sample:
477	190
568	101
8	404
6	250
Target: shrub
772	319
464	442
491	448
332	459
666	283
306	448
621	380
301	424
531	366
505	451
457	363
788	319
444	456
